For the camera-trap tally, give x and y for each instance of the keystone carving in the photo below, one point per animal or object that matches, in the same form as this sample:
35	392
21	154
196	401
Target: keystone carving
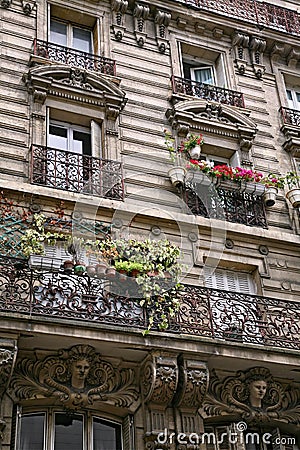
240	41
140	15
76	378
254	396
119	8
257	47
162	21
77	78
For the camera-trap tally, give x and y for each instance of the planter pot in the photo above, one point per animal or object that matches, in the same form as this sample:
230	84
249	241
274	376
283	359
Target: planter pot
91	271
270	196
101	270
293	196
79	269
177	175
195	152
110	273
227	185
68	267
44	262
134	273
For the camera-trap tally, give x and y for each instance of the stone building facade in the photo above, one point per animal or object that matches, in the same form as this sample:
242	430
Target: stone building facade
87	90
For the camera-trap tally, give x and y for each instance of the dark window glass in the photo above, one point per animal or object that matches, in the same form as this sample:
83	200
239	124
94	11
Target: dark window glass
106	436
68	432
32	432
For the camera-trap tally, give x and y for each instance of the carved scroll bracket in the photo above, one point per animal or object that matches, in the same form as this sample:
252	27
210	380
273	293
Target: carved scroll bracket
28	6
8	354
240	42
159	379
140	15
257	47
162	21
119	8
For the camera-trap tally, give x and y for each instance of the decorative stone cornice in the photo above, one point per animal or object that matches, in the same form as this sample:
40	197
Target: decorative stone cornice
56	377
257	46
162	21
140	15
232	396
277	51
240	42
119	8
74	84
293	57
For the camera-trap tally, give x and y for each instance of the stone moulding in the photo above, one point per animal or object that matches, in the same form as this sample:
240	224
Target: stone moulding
74	84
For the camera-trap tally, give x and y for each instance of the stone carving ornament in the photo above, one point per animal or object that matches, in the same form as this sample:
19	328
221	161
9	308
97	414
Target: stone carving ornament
76	378
253	395
7	357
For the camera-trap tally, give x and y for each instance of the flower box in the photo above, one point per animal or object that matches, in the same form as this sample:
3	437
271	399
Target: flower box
198	177
44	262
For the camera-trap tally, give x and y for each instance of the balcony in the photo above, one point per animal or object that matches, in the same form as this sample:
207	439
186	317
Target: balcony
72	57
206	313
184	86
230	205
290	116
252	11
60	169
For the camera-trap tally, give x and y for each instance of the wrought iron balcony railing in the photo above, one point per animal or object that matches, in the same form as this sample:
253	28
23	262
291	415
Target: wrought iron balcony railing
75	172
72	57
206	313
207	91
290	116
252	11
230	205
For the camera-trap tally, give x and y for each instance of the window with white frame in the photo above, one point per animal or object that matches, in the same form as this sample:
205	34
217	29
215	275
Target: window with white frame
69	35
217	159
233	318
293	98
69	29
57	430
203	65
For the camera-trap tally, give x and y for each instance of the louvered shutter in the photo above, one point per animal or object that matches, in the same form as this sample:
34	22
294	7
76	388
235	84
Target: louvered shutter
229	280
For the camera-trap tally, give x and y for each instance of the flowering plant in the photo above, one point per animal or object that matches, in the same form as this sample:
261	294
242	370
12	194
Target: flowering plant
185	146
273	180
225	172
291	179
190	143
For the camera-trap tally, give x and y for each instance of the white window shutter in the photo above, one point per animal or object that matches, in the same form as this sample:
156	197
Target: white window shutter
96	37
229	281
96	139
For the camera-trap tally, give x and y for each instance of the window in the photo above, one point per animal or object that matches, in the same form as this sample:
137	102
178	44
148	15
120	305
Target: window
203	65
217	159
64	136
293	97
55	430
233	318
71	36
229	280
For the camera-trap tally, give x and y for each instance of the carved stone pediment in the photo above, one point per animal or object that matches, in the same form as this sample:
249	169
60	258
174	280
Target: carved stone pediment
238	396
74	84
74	378
212	117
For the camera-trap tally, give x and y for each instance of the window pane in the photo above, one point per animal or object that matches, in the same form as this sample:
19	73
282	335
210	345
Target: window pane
204	75
32	432
58	33
106	437
81	143
82	40
68	432
58	137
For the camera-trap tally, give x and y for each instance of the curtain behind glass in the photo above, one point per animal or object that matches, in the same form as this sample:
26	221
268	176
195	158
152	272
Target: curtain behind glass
68	432
32	432
106	437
